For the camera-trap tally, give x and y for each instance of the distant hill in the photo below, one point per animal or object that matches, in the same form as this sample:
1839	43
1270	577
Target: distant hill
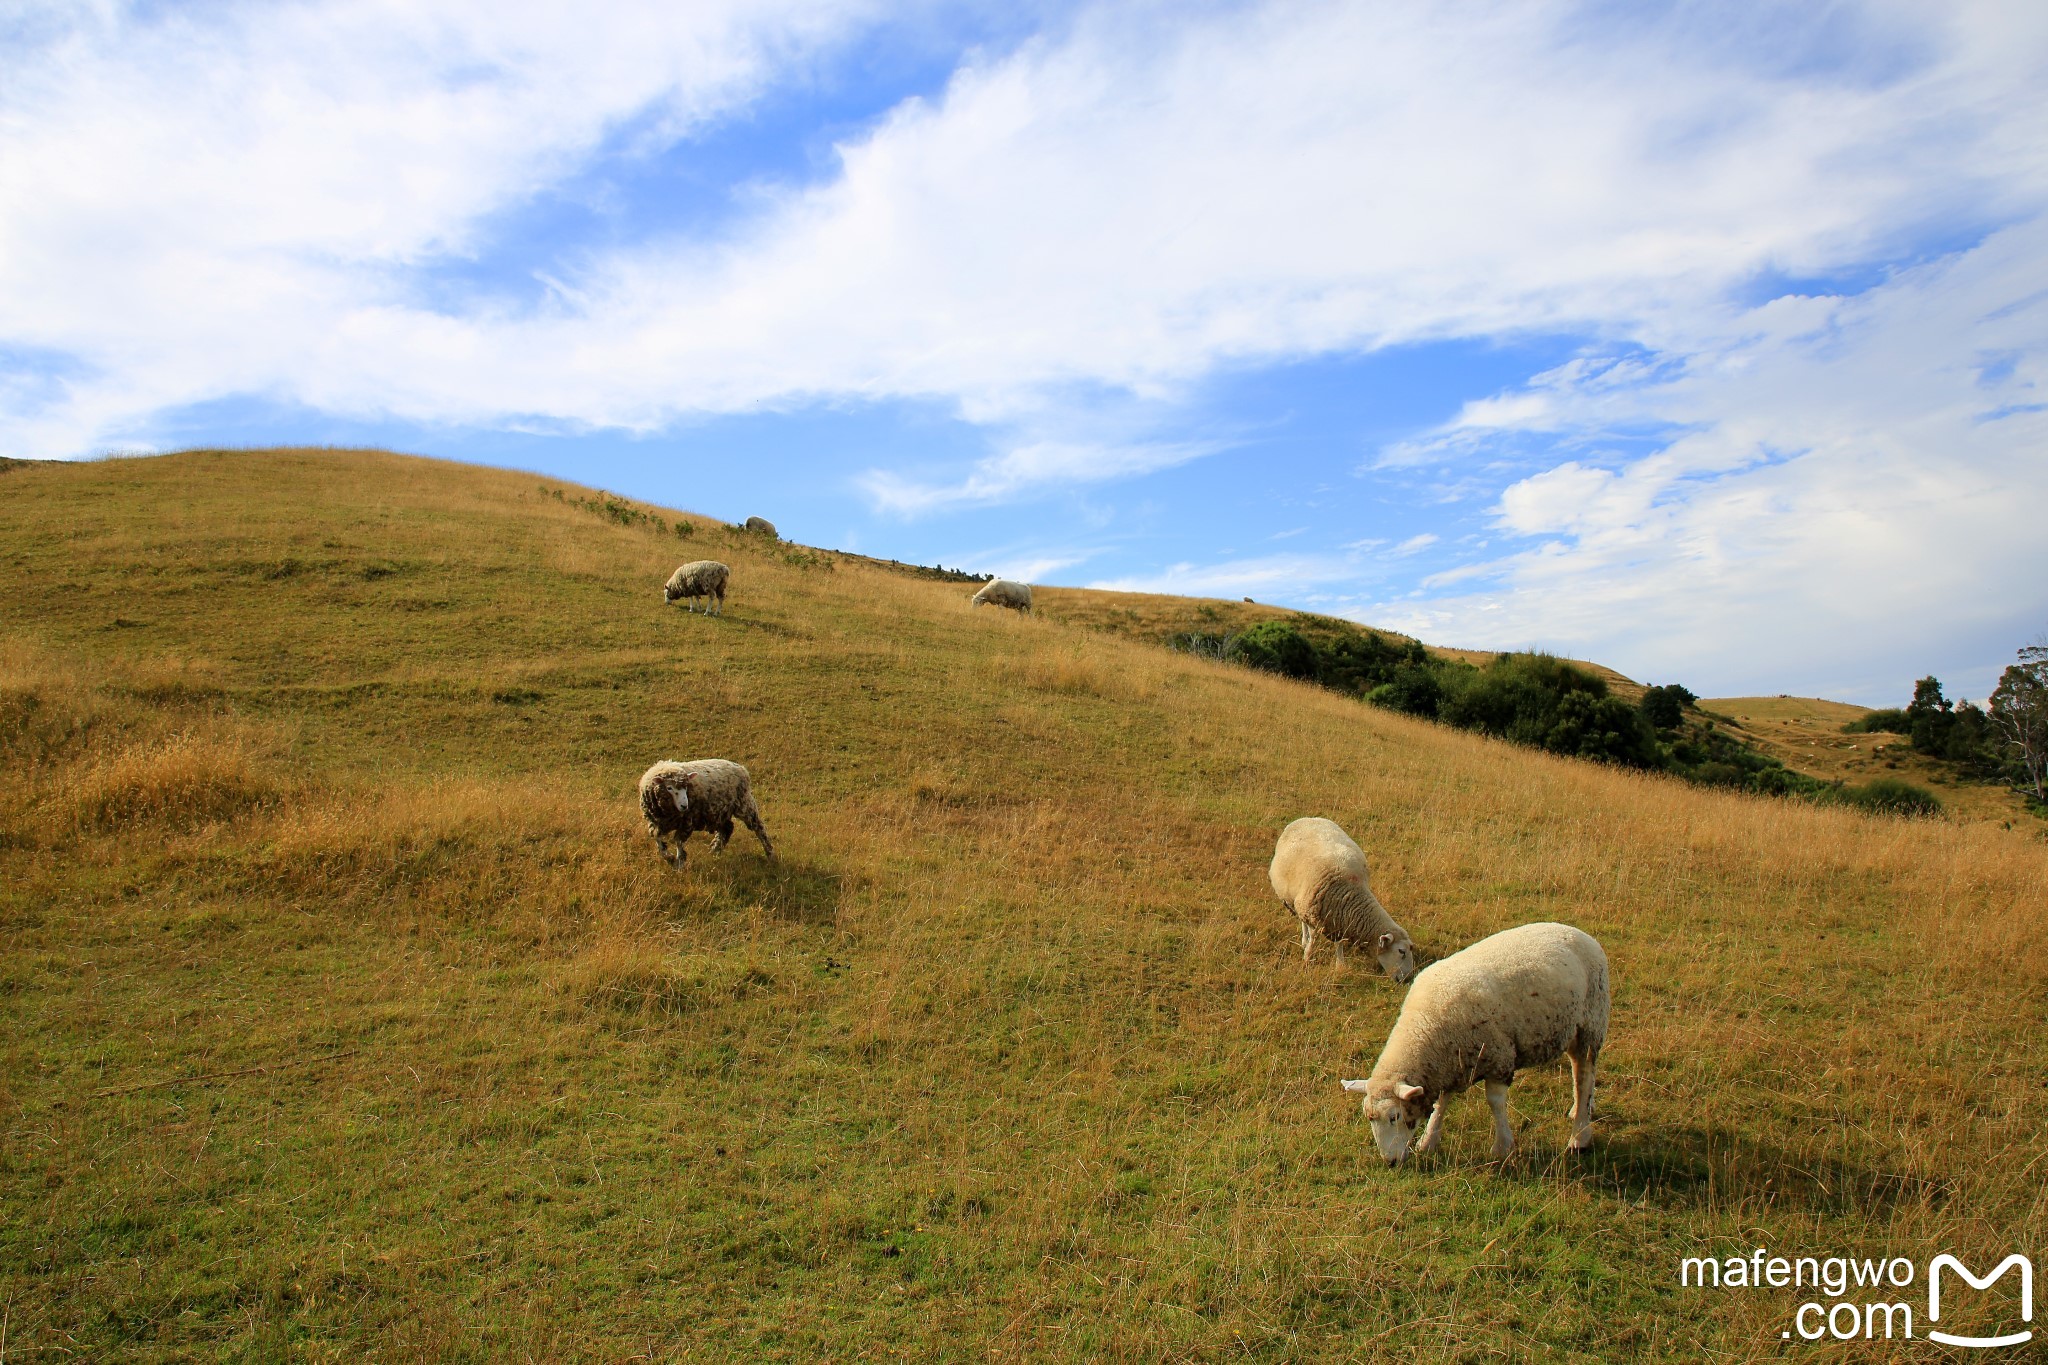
346	1011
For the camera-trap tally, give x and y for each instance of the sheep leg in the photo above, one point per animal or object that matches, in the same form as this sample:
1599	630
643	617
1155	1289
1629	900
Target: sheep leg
1308	939
1503	1131
721	836
752	815
1340	950
1433	1134
1582	1100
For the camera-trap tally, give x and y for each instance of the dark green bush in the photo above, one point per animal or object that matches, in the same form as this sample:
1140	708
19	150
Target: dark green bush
1416	689
1664	707
1542	701
1890	796
1892	720
1276	647
1361	661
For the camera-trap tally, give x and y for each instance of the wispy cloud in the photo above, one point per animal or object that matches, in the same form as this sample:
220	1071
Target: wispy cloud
1292	574
1846	464
251	200
1027	468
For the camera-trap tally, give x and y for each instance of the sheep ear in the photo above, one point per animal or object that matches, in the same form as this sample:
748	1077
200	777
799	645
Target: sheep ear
1355	1085
1386	942
1404	1091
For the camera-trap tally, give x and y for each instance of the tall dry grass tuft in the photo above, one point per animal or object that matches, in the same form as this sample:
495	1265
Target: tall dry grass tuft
1083	667
178	781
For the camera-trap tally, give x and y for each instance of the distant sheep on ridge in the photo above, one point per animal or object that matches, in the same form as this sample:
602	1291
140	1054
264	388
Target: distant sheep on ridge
700	578
1001	592
762	526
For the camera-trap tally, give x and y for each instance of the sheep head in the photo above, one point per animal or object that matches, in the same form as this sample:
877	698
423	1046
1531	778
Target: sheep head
1395	1109
1396	954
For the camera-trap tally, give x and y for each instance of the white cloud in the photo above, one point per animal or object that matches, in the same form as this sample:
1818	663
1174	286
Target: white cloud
1416	543
241	199
1855	496
249	200
1027	466
1031	570
1292	574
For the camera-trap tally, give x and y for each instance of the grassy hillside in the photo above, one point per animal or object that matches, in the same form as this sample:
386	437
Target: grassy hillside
1806	734
1159	618
347	1013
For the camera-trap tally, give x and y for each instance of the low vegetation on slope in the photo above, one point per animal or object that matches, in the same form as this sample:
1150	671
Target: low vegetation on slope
1557	705
347	1013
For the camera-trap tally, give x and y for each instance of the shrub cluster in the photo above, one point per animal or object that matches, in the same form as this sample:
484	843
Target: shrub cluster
1891	721
1532	699
1889	796
622	513
2007	743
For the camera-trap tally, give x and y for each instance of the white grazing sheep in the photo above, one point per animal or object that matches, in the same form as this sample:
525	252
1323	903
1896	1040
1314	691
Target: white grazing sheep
679	799
1001	592
1515	1000
1319	873
762	526
699	578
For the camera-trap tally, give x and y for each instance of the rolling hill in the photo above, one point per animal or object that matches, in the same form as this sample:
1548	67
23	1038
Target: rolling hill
348	1013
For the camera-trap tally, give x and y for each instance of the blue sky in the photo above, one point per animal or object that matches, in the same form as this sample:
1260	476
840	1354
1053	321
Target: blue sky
1707	341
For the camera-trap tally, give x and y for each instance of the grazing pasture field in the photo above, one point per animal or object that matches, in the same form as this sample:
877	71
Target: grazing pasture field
346	1012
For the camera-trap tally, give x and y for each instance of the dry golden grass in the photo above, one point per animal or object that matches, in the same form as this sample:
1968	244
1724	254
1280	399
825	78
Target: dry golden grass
1011	1054
183	779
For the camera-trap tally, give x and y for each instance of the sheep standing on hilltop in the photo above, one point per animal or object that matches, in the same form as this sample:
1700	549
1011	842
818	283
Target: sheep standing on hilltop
1319	873
699	578
679	799
1001	592
762	526
1521	998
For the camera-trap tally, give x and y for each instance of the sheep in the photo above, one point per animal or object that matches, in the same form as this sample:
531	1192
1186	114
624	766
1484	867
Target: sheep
699	578
1515	1000
762	526
1319	873
1001	592
679	799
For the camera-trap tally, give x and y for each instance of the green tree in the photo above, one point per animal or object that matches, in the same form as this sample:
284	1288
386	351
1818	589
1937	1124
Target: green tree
1929	717
1276	647
2019	714
1664	707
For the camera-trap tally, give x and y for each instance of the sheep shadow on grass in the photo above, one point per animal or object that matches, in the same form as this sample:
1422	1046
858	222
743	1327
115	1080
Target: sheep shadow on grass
762	624
1695	1167
795	892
